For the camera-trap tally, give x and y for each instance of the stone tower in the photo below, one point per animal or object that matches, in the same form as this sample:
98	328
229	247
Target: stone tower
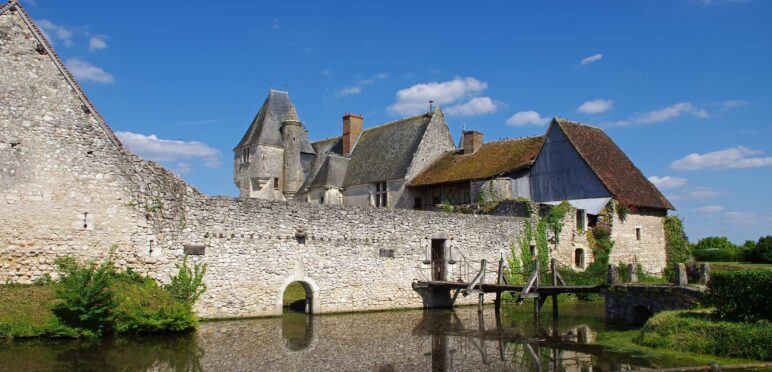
292	133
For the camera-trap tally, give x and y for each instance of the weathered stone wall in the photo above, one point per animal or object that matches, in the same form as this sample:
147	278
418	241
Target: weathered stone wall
68	190
649	251
255	179
633	304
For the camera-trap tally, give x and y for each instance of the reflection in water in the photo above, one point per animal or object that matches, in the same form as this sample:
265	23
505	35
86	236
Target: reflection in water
441	340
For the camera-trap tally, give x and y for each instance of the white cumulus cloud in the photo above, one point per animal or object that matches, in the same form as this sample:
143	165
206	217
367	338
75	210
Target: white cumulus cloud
97	43
475	106
664	114
596	106
526	118
182	152
60	33
85	71
415	99
593	58
667	182
731	158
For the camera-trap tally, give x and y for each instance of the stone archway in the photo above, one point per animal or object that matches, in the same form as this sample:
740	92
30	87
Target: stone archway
312	291
639	314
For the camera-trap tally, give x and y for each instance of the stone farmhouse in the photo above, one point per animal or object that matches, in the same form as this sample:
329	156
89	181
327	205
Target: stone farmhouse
413	163
68	187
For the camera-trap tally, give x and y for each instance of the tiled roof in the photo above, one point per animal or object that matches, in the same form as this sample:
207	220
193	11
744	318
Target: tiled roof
617	172
266	126
490	160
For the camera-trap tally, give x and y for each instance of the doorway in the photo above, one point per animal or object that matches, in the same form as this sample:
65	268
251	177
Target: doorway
297	298
438	259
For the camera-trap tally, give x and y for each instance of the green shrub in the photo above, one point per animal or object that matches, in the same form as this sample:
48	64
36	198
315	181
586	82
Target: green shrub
676	244
717	255
145	307
698	332
762	250
187	285
84	299
717	242
741	295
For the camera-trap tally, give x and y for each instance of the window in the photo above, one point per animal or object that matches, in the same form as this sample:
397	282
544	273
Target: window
592	220
321	200
245	155
637	233
381	195
579	258
276	183
580	219
417	203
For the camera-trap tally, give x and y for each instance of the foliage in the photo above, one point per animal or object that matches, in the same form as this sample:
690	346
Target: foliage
145	307
762	251
715	242
84	298
482	195
716	248
187	285
698	332
515	265
741	295
676	244
446	207
554	219
716	255
624	208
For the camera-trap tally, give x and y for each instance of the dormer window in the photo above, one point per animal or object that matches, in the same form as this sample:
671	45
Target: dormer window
381	195
245	155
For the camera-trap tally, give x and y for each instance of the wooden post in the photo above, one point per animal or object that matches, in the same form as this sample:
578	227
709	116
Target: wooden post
554	269
498	281
481	298
536	300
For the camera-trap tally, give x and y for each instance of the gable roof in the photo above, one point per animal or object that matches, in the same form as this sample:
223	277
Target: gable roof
265	128
490	160
13	5
612	166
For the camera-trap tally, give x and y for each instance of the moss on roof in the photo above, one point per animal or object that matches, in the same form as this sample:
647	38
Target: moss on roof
491	159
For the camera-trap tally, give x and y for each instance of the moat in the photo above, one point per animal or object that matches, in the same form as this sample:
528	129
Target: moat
410	340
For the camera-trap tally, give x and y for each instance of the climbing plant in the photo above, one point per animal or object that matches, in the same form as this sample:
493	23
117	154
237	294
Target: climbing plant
676	244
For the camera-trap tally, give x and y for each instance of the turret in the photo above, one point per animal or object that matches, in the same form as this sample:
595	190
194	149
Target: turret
292	134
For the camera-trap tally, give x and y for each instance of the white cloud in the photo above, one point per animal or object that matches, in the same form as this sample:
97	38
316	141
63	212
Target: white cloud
475	106
697	192
591	59
61	33
153	148
596	106
526	118
415	99
710	209
733	103
275	24
667	182
85	71
742	216
183	168
667	113
374	78
97	43
731	158
348	91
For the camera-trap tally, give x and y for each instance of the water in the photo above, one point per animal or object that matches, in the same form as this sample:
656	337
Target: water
412	340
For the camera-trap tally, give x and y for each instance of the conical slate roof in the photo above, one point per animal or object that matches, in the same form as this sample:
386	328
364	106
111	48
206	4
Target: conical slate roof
266	127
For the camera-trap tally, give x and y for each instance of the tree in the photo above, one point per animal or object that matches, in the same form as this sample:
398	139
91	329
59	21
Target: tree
715	242
763	250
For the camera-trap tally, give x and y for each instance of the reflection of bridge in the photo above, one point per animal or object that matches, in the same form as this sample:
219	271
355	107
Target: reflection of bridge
624	303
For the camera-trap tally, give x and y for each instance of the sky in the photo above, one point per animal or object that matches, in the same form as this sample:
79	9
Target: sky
682	86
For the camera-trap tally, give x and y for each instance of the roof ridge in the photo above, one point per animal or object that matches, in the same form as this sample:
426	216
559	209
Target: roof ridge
514	139
40	36
379	126
574	122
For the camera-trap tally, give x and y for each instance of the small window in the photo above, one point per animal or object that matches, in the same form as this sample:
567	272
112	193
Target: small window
388	253
245	155
381	195
276	183
579	258
580	219
321	200
592	220
417	203
637	233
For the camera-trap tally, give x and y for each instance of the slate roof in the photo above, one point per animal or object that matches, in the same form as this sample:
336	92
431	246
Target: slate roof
266	126
382	153
490	160
612	166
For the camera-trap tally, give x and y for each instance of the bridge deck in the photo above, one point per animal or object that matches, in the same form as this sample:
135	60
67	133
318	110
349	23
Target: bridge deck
498	288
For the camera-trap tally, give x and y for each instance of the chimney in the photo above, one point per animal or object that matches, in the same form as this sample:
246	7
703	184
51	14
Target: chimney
472	141
352	128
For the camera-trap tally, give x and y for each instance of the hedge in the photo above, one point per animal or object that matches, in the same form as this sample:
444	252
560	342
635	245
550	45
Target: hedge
716	255
741	295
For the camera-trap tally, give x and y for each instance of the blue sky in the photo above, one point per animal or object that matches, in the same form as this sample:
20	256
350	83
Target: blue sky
682	86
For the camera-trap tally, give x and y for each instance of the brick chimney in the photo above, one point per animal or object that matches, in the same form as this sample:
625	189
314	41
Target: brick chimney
472	141
352	128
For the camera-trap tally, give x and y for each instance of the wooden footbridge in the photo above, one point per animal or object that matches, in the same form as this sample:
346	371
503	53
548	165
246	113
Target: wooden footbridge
532	288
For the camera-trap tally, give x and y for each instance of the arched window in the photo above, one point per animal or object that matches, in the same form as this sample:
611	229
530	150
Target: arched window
579	258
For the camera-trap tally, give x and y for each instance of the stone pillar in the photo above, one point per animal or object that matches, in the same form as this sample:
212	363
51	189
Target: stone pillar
680	275
613	275
704	273
632	274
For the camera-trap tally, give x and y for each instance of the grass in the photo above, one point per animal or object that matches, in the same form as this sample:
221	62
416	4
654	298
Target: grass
733	266
25	310
699	332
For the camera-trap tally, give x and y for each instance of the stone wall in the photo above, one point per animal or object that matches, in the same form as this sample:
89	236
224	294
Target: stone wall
633	304
650	250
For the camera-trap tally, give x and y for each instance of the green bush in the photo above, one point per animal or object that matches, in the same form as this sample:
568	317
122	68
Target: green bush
698	332
84	298
187	285
717	255
717	242
145	307
741	295
676	244
762	250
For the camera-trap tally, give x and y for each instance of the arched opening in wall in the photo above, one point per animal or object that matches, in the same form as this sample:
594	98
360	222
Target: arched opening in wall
297	298
579	258
639	315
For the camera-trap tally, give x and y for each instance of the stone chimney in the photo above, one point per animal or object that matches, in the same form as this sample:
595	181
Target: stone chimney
472	141
352	128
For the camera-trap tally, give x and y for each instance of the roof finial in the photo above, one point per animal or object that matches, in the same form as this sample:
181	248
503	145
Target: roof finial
431	104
